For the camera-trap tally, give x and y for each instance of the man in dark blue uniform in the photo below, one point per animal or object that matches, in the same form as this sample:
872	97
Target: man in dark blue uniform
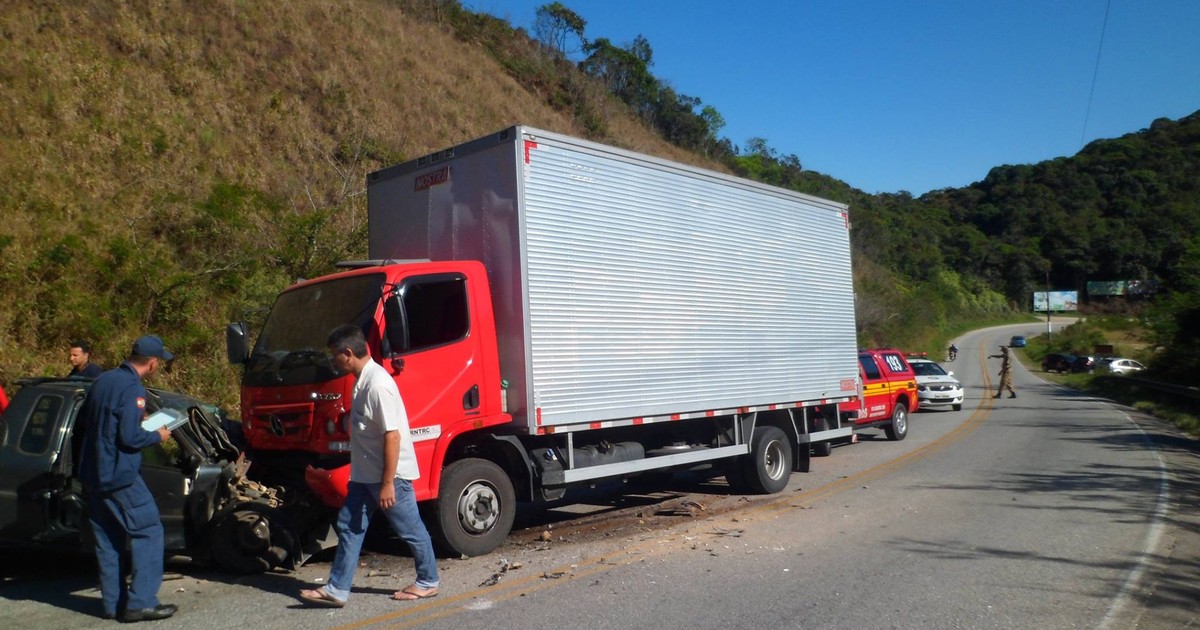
121	509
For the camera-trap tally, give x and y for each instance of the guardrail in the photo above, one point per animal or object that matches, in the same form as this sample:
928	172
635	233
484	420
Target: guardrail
1191	393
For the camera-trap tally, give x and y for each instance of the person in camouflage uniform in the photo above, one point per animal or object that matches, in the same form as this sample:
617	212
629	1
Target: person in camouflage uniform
1005	372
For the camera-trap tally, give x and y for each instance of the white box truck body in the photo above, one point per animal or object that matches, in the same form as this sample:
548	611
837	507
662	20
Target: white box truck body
625	286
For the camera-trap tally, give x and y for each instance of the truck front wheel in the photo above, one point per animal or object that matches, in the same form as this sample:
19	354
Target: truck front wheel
897	429
767	468
475	507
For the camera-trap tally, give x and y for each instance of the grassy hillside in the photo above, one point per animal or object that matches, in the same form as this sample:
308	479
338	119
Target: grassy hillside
170	165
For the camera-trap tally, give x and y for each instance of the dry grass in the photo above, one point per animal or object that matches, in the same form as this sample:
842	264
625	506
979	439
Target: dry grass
126	125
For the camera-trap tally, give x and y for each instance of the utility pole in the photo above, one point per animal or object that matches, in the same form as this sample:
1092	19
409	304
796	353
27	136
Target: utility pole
1048	329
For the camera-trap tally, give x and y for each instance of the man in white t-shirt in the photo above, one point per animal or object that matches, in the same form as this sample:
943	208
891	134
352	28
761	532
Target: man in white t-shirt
382	467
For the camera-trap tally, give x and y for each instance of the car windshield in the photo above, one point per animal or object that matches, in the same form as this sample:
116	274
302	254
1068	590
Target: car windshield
290	350
927	368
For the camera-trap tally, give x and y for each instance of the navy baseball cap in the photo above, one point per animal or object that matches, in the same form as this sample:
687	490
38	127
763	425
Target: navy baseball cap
151	346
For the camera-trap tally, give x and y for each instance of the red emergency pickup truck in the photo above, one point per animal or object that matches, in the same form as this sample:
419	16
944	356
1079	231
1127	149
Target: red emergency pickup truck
887	394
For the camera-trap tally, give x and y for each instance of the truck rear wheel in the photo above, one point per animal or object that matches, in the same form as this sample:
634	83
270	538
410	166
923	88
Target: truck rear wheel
475	507
897	429
769	464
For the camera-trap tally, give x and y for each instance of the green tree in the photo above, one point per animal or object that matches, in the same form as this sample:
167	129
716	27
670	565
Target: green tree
625	72
556	27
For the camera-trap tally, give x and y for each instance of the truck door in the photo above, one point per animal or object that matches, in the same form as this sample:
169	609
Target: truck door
439	374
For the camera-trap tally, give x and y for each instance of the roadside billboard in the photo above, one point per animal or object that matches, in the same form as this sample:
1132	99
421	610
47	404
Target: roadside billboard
1058	300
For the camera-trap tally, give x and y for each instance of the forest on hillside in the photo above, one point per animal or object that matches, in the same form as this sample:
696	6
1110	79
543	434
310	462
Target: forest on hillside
171	166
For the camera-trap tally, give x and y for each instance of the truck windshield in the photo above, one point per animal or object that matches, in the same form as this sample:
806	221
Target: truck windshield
291	347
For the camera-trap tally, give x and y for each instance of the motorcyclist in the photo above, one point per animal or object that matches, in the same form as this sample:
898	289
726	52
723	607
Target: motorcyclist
953	351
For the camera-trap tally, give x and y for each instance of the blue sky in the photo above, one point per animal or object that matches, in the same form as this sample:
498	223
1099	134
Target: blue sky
913	95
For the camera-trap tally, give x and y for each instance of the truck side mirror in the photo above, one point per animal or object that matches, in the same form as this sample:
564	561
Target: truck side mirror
395	322
236	346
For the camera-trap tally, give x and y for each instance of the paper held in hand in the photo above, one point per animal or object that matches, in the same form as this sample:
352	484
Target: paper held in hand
170	418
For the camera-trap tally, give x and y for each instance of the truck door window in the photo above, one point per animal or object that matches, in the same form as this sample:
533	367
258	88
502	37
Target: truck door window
870	370
35	439
436	310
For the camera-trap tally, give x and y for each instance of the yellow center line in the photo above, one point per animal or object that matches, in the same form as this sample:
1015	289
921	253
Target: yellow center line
514	587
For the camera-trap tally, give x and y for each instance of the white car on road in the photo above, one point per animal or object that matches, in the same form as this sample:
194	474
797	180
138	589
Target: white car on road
935	386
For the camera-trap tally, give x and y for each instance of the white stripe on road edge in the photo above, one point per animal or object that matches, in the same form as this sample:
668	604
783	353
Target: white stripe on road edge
1153	536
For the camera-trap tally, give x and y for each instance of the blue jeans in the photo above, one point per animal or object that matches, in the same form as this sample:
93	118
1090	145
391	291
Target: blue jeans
362	499
128	514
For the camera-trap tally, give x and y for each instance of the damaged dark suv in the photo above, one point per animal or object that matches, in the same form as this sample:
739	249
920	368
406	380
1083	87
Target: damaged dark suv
210	510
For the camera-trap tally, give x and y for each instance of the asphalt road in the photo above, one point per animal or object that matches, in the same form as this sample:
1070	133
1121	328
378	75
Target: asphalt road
1050	510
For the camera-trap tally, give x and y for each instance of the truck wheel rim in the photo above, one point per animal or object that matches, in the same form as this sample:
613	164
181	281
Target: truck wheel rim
478	507
773	460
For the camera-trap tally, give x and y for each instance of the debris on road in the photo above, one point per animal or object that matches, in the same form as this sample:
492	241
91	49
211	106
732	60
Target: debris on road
505	567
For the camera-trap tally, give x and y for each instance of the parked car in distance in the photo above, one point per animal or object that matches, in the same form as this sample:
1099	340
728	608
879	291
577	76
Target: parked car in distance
1058	362
1017	341
1124	366
1084	363
935	386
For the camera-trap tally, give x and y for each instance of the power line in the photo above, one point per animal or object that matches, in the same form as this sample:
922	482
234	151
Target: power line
1095	72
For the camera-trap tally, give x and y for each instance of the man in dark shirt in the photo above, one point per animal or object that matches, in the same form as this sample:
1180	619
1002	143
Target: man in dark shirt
120	506
81	360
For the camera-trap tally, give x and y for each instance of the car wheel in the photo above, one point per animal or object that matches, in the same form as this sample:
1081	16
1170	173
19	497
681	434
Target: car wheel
248	538
898	428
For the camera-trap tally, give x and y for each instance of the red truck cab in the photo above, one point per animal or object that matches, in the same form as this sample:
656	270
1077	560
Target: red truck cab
428	324
887	394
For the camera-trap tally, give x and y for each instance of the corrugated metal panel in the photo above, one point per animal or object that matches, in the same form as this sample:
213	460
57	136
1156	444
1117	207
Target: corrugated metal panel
656	288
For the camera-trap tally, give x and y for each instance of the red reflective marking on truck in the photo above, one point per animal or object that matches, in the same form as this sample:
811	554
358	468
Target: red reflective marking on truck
675	416
596	425
710	413
529	144
538	411
431	179
638	420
